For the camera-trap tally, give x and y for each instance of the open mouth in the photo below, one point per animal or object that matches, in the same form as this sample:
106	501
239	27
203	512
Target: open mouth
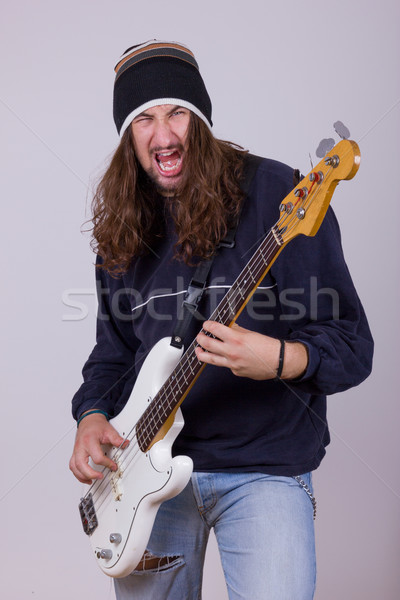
169	162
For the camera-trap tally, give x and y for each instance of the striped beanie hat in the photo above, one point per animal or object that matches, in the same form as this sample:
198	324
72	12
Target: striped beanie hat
157	73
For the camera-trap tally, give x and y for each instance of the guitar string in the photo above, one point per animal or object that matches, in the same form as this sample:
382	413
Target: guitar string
222	311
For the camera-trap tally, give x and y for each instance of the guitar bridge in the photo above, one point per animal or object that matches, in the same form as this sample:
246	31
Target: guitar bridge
88	514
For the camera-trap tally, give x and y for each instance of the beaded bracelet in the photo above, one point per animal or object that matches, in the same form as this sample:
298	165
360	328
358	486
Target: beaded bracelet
281	359
92	412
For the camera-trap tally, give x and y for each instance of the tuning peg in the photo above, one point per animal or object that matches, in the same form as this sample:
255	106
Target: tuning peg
341	130
324	147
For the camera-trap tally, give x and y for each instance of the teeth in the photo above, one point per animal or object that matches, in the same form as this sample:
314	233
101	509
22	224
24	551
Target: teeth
168	167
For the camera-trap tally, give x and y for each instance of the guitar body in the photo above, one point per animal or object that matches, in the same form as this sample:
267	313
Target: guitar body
127	501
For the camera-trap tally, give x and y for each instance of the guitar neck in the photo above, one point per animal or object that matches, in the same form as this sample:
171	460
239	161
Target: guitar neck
249	279
181	380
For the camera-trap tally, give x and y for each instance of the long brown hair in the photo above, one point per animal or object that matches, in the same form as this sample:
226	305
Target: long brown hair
125	205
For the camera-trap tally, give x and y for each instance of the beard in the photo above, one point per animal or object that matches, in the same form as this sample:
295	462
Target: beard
165	188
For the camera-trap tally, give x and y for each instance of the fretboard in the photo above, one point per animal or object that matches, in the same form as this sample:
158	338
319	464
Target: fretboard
176	387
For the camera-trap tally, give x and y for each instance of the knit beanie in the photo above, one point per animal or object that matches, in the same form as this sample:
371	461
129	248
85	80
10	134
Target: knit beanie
156	73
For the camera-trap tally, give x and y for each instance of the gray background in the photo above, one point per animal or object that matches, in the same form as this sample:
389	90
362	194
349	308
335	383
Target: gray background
279	74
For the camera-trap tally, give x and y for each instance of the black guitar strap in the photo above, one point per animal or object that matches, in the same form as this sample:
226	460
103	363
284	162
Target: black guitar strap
198	282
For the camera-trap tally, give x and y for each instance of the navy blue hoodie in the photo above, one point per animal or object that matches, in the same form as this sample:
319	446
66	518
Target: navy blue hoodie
234	423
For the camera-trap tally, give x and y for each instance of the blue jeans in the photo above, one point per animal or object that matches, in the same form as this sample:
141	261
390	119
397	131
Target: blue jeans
265	533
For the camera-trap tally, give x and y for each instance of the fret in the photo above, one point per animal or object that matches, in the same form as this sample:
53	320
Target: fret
176	383
190	365
242	295
252	277
263	256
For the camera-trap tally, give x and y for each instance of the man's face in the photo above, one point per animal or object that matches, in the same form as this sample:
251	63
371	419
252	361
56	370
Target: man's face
159	138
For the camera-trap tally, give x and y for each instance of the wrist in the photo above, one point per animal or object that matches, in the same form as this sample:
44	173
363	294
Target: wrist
92	411
295	360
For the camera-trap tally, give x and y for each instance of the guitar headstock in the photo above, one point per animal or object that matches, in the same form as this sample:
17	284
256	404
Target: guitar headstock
303	210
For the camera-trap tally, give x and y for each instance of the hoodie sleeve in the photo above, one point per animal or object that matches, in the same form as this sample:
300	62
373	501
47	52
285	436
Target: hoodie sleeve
109	373
321	307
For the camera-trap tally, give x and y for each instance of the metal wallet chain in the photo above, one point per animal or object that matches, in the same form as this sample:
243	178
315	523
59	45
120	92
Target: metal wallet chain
308	492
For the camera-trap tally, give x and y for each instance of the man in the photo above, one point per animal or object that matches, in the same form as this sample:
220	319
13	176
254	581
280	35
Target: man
256	428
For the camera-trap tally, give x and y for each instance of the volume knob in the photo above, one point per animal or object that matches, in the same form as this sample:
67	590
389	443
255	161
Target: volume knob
105	553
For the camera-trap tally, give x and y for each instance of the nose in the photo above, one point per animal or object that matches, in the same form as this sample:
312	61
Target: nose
163	135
